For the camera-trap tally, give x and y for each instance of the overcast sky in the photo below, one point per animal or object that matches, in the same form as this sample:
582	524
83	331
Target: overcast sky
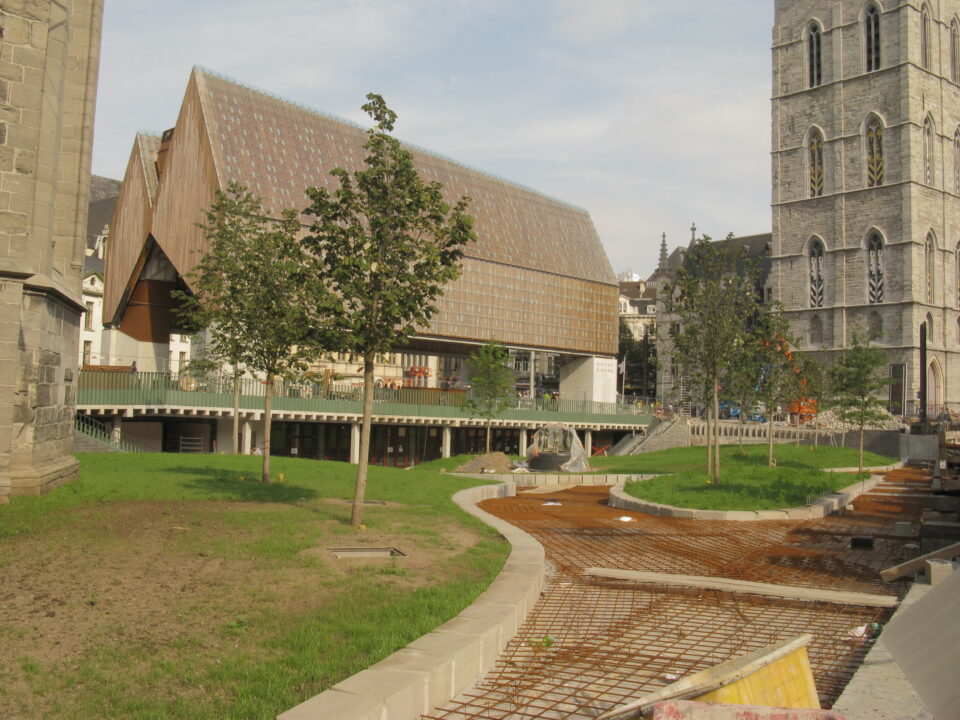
650	115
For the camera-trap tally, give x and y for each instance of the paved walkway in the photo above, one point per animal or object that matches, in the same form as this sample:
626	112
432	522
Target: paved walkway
592	643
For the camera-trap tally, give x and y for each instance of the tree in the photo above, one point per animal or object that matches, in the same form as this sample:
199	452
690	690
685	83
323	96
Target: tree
640	361
254	292
491	382
388	243
741	383
779	383
855	383
816	389
712	297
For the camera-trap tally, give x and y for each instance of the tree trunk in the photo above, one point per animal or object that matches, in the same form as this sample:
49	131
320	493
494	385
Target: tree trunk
489	430
267	397
816	430
860	466
356	518
716	428
709	439
236	414
770	440
740	430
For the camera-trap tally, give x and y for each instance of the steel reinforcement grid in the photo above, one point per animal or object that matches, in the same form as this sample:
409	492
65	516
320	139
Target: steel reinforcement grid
591	644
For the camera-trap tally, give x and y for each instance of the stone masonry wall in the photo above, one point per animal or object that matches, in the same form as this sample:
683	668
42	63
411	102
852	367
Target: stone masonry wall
49	59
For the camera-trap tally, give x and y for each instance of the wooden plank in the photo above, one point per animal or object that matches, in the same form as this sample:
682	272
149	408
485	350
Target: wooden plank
912	566
743	586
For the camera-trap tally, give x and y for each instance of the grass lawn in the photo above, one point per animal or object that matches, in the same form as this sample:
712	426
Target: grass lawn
179	586
746	483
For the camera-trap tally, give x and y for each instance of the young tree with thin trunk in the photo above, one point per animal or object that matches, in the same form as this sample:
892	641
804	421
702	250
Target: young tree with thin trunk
712	298
816	390
388	243
255	293
856	383
778	377
491	383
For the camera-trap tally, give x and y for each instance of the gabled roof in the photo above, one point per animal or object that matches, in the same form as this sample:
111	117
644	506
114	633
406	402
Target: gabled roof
277	149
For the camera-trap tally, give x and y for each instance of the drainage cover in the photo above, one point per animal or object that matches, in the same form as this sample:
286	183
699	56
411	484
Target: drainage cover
366	552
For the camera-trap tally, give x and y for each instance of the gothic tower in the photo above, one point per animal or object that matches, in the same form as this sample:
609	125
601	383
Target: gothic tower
866	182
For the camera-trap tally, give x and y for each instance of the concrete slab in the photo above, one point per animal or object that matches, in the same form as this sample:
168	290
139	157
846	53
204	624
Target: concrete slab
435	673
740	515
402	695
880	690
335	704
465	652
937	571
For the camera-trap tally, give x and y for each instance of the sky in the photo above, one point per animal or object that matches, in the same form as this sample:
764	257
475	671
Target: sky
650	115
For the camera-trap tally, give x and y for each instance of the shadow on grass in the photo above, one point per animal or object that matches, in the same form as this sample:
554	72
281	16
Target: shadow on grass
221	482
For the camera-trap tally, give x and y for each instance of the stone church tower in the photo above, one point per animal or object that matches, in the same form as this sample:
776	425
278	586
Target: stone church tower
866	182
49	59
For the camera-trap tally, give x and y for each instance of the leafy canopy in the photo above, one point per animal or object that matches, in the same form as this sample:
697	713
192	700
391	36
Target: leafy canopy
491	380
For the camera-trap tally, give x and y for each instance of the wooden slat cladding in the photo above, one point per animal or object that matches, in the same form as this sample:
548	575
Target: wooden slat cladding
186	187
528	308
131	222
280	148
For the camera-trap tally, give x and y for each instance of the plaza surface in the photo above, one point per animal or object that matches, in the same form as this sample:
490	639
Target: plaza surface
591	643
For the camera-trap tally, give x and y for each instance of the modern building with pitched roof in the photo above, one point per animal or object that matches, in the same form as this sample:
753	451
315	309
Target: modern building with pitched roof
537	279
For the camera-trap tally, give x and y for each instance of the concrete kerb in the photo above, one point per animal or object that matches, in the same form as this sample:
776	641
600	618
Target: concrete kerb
435	668
829	503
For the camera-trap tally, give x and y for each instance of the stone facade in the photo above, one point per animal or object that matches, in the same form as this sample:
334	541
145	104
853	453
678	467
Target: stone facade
866	182
49	59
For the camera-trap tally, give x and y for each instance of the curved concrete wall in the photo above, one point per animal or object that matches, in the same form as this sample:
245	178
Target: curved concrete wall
436	667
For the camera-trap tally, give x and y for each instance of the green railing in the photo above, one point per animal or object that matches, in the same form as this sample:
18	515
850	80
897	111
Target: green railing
121	389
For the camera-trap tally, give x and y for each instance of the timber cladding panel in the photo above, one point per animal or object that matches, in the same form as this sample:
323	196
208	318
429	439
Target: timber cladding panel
537	276
131	221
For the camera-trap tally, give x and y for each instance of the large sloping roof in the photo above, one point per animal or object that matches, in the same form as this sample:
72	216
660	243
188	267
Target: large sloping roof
277	149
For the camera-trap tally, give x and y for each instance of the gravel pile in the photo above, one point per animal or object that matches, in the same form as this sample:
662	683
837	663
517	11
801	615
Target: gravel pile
828	420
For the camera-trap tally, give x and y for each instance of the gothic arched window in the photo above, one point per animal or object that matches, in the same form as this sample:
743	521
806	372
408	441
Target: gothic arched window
929	258
816	274
955	51
875	268
928	151
815	163
956	161
872	37
925	36
874	152
814	56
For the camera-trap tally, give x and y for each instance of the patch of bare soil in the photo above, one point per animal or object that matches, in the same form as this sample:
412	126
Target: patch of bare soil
157	577
497	462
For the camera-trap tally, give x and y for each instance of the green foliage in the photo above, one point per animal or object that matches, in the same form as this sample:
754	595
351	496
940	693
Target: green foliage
641	362
856	383
491	382
779	379
712	297
388	243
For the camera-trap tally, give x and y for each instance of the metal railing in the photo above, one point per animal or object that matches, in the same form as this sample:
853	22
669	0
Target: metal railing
105	434
121	389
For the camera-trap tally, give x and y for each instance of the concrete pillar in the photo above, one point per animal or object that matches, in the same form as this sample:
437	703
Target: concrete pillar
246	438
533	374
115	428
588	442
523	440
355	443
445	441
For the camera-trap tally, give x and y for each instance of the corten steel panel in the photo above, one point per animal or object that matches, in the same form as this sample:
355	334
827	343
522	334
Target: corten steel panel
279	149
131	221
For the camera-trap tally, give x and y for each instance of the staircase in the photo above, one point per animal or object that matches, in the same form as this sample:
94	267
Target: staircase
91	435
661	434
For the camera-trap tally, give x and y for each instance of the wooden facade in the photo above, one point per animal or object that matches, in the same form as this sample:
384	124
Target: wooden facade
537	277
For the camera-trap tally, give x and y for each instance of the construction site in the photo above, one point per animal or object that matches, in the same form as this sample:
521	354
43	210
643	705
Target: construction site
628	607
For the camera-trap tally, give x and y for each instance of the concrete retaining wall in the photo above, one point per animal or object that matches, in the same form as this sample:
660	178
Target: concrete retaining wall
527	480
829	503
435	668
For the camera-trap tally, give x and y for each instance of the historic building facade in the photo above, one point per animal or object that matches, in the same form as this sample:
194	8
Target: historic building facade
866	182
49	59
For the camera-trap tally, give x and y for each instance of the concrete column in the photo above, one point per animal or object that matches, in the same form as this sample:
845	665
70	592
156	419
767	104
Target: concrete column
445	441
533	374
115	424
588	442
523	440
246	440
355	443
